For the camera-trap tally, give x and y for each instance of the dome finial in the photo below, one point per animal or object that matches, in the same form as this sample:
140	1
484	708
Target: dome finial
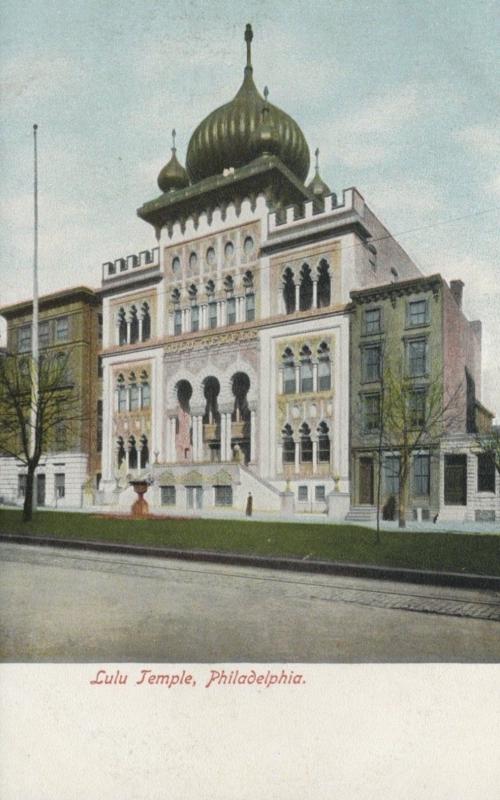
173	176
317	186
316	153
174	134
248	40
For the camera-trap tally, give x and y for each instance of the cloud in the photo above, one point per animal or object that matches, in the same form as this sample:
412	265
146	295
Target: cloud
403	199
484	140
35	77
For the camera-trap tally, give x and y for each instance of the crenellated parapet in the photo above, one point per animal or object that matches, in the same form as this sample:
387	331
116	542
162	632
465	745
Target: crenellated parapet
294	216
135	262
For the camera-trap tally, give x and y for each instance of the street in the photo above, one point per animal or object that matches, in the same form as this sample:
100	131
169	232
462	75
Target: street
80	606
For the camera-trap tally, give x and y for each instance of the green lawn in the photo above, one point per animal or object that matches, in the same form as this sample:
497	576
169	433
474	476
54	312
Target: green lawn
439	551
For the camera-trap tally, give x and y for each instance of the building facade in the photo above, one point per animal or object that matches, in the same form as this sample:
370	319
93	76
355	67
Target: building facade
70	327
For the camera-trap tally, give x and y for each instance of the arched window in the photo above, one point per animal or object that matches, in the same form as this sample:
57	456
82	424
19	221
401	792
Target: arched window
288	445
132	453
144	454
122	327
306	288
324	290
289	386
229	283
289	291
323	443
211	389
146	322
145	390
248	279
176	296
122	393
324	368
210	288
134	392
134	325
120	451
306	370
306	446
192	292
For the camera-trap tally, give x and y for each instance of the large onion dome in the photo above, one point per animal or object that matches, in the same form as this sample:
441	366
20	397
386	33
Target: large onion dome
173	175
317	186
228	137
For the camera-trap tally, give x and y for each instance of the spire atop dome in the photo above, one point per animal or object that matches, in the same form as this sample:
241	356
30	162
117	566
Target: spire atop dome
248	40
317	186
173	175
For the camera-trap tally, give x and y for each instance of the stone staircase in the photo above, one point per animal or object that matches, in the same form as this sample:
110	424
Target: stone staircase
362	514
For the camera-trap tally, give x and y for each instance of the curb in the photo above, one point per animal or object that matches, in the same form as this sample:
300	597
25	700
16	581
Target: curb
428	577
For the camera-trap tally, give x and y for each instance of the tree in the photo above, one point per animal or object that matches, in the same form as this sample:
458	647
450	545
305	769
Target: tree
34	422
489	444
414	415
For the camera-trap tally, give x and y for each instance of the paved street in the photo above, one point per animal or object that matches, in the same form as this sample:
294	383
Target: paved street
58	605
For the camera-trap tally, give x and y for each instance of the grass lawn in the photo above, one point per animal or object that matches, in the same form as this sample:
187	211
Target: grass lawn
438	551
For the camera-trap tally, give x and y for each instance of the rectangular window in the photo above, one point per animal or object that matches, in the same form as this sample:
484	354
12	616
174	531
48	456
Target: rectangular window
371	363
421	475
24	339
21	485
391	475
177	321
324	375
43	334
99	426
122	398
212	315
195	318
59	480
302	494
455	480
134	397
289	379
223	495
373	318
231	311
320	494
62	329
371	412
145	395
417	312
417	357
250	307
417	408
485	472
99	367
168	495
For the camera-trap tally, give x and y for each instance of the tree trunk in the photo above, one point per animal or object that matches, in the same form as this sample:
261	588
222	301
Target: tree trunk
28	497
403	490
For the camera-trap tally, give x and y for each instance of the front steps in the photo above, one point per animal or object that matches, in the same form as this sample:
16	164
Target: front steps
362	514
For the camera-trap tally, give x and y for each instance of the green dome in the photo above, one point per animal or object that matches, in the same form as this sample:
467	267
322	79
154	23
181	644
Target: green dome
173	175
228	137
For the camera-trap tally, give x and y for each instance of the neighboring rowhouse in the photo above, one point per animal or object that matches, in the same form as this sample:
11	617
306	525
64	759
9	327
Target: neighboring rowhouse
70	326
411	339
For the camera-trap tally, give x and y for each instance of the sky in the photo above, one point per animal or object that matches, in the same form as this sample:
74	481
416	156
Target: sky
401	96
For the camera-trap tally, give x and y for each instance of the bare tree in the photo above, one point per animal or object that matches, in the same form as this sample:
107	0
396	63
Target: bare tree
413	416
489	444
33	423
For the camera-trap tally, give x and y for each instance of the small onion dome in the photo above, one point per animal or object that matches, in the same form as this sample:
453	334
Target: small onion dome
317	186
227	137
173	175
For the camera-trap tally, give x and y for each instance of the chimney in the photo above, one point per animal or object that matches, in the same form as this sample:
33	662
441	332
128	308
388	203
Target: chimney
457	288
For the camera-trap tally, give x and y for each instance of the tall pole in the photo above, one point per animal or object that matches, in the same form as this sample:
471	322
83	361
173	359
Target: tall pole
34	329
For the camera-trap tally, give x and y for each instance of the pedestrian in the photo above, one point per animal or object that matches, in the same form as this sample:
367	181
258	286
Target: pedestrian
248	511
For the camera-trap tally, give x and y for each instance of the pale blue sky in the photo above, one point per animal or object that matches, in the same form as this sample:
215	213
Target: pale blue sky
401	97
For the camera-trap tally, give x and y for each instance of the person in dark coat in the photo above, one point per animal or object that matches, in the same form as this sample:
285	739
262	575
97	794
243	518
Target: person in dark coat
248	511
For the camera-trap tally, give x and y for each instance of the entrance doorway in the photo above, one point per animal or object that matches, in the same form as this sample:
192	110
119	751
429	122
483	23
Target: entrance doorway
455	480
194	497
40	490
366	481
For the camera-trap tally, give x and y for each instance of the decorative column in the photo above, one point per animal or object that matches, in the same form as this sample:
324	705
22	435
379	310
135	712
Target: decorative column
279	464
253	436
315	377
171	439
128	330
297	455
315	294
297	378
281	380
140	328
315	455
223	437
297	296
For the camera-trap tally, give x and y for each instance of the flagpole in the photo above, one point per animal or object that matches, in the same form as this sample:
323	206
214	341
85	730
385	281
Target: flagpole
34	328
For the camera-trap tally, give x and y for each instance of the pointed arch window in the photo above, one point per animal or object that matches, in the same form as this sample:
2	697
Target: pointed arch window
133	392
289	383
145	390
306	288
134	325
306	370
132	453
146	322
120	451
288	291
323	443
122	327
324	284
306	447
288	445
324	368
122	393
144	452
